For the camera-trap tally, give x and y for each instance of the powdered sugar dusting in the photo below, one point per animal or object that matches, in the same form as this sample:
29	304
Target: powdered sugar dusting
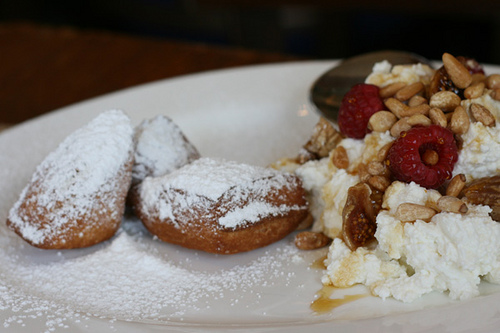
131	278
160	148
69	180
205	181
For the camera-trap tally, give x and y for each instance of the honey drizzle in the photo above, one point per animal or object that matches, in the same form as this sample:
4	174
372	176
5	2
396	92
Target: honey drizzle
325	304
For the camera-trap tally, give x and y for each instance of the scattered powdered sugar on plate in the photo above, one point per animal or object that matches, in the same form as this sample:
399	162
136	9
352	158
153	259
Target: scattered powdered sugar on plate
130	277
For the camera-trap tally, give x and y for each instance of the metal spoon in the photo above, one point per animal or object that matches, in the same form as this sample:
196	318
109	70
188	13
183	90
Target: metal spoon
329	89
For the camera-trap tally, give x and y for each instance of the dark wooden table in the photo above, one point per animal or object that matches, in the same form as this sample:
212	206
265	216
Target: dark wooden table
43	68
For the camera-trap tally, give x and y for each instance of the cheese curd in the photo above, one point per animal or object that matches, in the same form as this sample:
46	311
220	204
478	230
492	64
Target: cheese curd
450	253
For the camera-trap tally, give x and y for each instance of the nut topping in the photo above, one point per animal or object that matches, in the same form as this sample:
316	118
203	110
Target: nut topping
459	74
309	240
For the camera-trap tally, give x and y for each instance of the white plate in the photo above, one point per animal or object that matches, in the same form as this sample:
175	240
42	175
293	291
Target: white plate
254	115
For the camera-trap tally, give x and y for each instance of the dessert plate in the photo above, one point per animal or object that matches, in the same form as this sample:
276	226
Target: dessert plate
135	283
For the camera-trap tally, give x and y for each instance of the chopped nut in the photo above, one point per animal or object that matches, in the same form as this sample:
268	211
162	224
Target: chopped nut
417	100
482	114
419	119
478	77
430	157
382	121
378	182
456	185
391	89
485	191
309	240
444	100
410	212
495	94
413	110
376	168
437	117
459	122
458	73
363	173
395	106
452	205
493	81
323	139
340	158
474	91
400	126
382	153
409	91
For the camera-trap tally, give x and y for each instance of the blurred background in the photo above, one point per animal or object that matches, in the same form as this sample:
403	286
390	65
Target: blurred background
311	29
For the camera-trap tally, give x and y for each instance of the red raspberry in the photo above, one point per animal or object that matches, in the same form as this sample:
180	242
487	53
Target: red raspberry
471	64
405	156
356	108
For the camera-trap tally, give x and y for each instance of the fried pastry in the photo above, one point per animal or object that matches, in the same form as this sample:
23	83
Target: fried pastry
76	196
221	207
160	148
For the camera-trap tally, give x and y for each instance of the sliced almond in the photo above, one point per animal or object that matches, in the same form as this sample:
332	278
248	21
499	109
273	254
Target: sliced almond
382	153
437	117
410	212
382	121
452	205
459	122
458	73
409	91
445	100
482	114
376	168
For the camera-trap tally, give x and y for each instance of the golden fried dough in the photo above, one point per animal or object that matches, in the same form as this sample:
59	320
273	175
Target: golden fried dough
221	207
76	197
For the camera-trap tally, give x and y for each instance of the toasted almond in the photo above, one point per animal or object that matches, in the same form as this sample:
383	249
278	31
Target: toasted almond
493	81
382	121
417	100
340	158
410	212
482	114
474	90
456	185
458	73
452	205
363	173
400	126
437	117
459	122
396	106
419	119
409	91
379	182
413	110
391	89
309	240
445	100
